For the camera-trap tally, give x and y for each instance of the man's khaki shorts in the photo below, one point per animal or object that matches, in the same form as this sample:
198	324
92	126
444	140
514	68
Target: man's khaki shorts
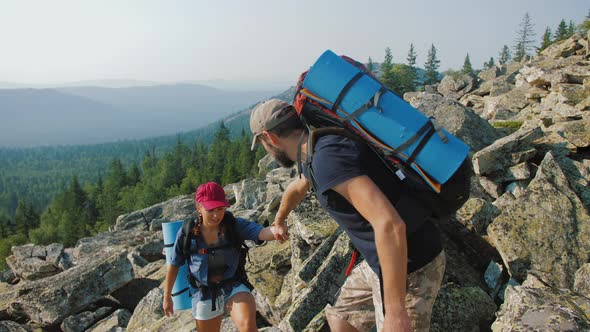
360	303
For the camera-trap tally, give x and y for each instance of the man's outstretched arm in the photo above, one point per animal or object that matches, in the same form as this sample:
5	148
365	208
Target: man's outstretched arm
292	196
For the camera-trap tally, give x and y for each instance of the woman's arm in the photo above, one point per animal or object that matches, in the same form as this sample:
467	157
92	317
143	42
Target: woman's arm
171	274
268	233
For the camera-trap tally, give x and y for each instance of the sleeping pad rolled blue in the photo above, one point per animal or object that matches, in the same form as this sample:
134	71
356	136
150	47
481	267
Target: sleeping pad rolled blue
181	292
392	120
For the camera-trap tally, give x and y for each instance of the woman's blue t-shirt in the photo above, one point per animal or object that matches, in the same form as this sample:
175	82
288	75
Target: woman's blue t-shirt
198	266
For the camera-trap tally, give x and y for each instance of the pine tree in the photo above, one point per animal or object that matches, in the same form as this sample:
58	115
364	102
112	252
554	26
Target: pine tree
585	26
217	154
561	31
571	29
370	65
524	39
467	68
403	76
431	67
546	41
491	63
134	175
505	55
412	64
386	66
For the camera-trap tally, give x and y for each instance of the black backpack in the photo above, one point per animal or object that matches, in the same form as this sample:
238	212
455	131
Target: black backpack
443	199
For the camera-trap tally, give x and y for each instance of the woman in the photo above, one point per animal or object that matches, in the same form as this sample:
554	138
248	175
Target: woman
214	263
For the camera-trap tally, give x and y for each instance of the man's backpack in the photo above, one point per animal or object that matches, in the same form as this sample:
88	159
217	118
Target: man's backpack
322	117
234	241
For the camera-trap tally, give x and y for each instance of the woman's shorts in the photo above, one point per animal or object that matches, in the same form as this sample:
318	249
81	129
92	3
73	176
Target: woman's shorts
202	308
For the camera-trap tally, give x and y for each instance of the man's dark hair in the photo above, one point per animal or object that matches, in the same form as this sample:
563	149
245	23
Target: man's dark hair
290	125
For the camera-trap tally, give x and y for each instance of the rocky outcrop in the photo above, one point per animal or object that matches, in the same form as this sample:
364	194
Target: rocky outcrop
527	221
546	229
536	306
32	262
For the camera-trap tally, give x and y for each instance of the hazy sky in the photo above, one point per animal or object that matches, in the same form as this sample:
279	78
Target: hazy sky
168	40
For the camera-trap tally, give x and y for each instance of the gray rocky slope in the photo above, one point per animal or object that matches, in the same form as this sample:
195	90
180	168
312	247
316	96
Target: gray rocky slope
518	251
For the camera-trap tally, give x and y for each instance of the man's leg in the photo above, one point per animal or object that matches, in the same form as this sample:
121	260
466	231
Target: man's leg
354	309
422	288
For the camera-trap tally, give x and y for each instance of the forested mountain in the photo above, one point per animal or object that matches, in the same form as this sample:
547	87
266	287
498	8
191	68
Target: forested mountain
38	174
88	115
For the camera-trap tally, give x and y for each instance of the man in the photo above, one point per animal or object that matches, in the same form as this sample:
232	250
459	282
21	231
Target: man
389	227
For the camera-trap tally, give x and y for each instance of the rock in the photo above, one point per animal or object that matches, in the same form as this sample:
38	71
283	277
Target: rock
533	308
117	321
546	229
492	188
575	132
511	283
154	270
509	103
149	316
250	194
455	118
50	300
462	309
456	88
476	214
177	208
506	152
86	248
582	280
10	326
135	290
7	276
267	164
309	301
490	74
493	278
83	320
31	262
562	49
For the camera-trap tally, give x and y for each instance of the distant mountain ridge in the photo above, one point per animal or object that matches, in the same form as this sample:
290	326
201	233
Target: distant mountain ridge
90	115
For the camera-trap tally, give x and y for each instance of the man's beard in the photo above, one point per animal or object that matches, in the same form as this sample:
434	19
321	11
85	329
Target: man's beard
281	157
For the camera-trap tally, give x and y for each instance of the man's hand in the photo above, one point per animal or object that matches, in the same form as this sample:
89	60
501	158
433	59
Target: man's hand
396	321
280	231
168	305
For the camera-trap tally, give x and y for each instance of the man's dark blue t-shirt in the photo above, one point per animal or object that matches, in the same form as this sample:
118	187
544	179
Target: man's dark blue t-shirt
337	159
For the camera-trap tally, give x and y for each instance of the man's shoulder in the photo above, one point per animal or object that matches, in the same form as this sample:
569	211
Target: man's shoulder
333	145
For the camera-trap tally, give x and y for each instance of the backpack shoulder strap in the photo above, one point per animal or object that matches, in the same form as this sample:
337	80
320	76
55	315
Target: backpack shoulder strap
187	228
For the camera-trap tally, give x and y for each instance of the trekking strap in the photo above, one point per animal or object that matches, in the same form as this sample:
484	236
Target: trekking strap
352	261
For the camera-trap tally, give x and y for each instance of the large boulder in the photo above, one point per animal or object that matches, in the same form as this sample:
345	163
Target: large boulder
462	309
455	88
455	118
507	151
82	321
537	306
31	262
546	229
177	208
149	316
312	298
148	243
50	300
117	321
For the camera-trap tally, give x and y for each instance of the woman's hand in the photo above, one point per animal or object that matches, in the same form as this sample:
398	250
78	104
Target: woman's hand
168	305
280	231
